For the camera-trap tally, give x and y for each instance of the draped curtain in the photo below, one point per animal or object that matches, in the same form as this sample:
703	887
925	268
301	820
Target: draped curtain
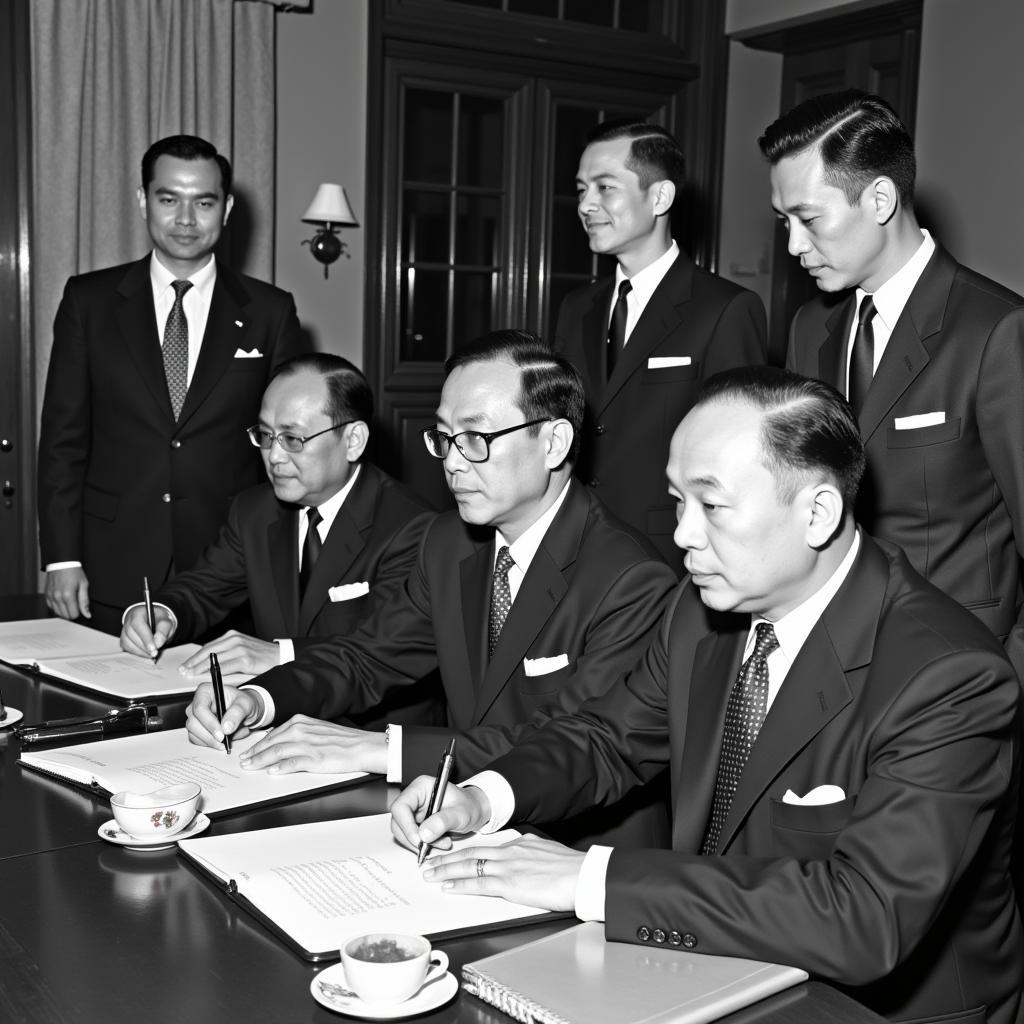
109	77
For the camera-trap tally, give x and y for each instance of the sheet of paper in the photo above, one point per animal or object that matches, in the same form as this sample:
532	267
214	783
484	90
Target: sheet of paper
36	640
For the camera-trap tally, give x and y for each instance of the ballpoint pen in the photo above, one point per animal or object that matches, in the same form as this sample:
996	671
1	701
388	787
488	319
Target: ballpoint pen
444	769
3	709
218	696
150	618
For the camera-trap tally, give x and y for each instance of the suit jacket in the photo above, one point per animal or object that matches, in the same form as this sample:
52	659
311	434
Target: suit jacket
593	594
951	495
901	890
123	488
632	416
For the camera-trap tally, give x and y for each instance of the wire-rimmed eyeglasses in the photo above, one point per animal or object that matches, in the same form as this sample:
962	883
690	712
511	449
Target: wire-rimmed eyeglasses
265	439
474	445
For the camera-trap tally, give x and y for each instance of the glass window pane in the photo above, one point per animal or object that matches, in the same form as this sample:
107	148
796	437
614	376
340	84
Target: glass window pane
476	230
425	227
481	141
541	8
428	135
640	15
471	309
424	326
593	12
570	249
572	125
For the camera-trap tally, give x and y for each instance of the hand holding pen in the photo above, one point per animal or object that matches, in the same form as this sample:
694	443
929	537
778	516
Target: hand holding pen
219	702
150	619
444	770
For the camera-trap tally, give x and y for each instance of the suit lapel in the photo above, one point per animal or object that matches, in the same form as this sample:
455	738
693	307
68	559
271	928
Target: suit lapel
832	354
475	592
595	325
283	544
136	319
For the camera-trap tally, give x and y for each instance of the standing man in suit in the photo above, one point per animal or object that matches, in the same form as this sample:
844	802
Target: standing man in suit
156	370
841	736
313	429
529	598
936	372
645	340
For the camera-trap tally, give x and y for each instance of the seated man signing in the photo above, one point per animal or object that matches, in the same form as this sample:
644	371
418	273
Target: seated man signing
315	550
530	598
840	737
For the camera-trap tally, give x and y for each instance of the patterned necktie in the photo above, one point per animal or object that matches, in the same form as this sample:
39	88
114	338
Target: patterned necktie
744	715
501	599
862	358
176	348
310	549
617	327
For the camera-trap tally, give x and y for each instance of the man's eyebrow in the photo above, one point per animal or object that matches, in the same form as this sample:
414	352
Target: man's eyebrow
163	190
711	482
795	208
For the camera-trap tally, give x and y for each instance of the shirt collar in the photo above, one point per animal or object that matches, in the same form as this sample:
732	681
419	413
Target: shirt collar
643	282
332	506
202	280
891	297
523	550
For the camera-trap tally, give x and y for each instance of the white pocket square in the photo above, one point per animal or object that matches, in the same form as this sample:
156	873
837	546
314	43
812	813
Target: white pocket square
543	666
924	419
816	797
348	591
240	353
665	362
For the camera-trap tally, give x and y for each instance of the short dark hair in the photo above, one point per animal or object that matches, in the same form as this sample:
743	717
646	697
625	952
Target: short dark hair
808	427
550	386
186	147
348	394
654	154
858	135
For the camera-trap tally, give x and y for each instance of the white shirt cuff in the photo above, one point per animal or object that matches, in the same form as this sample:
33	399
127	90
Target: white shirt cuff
394	753
54	566
286	651
499	794
267	717
156	604
590	884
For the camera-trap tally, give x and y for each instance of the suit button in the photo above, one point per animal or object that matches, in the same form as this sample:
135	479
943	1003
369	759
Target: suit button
165	498
675	938
690	940
643	933
175	443
659	935
599	429
595	482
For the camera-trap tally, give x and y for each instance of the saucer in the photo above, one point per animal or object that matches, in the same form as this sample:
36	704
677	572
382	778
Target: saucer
430	997
112	832
13	716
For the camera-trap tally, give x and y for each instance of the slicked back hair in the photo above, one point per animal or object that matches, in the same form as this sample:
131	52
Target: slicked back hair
348	394
858	135
654	154
186	147
550	387
808	427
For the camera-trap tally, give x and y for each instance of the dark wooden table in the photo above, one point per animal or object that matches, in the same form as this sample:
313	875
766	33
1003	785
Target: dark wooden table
93	933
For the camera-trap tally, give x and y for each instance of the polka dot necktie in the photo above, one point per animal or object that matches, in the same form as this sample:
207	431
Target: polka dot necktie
744	715
617	327
176	348
862	358
501	598
310	548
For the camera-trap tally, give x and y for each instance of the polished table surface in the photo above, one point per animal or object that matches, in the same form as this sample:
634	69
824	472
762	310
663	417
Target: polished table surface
92	932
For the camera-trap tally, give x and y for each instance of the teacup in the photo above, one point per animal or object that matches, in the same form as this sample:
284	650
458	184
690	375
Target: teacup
388	967
159	814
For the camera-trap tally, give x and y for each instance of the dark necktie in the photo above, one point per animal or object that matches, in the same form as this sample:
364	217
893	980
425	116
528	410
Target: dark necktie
310	549
176	348
617	328
744	715
862	358
501	599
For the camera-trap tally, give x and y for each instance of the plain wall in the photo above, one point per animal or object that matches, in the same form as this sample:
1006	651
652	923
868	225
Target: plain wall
321	136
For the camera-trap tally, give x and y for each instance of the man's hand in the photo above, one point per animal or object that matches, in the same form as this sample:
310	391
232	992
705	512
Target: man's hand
243	710
537	872
67	593
236	652
306	744
465	809
136	637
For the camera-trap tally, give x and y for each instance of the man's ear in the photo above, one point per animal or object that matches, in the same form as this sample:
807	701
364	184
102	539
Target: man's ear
664	196
825	513
229	205
560	438
140	195
356	440
884	198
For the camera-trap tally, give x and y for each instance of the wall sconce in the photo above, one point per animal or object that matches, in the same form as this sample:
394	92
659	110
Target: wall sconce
330	209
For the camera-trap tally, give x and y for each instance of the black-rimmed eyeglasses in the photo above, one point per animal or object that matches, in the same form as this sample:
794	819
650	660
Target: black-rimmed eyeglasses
289	442
473	445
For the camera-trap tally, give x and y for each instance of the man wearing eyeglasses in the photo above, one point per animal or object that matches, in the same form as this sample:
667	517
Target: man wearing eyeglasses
530	598
326	540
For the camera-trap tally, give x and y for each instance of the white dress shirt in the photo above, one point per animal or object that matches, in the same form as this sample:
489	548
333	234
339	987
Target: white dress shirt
642	286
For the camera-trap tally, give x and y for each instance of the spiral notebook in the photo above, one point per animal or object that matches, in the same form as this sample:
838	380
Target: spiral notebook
577	977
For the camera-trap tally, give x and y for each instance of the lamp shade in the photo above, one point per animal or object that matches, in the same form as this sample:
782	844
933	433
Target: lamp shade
330	205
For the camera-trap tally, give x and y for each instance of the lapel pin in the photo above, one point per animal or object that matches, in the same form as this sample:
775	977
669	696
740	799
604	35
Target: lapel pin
238	323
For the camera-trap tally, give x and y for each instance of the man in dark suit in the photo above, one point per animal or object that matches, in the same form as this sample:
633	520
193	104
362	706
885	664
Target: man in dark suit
643	357
530	598
313	428
156	370
841	736
939	391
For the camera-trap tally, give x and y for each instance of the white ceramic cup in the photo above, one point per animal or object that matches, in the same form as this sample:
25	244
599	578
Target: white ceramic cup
388	967
159	814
